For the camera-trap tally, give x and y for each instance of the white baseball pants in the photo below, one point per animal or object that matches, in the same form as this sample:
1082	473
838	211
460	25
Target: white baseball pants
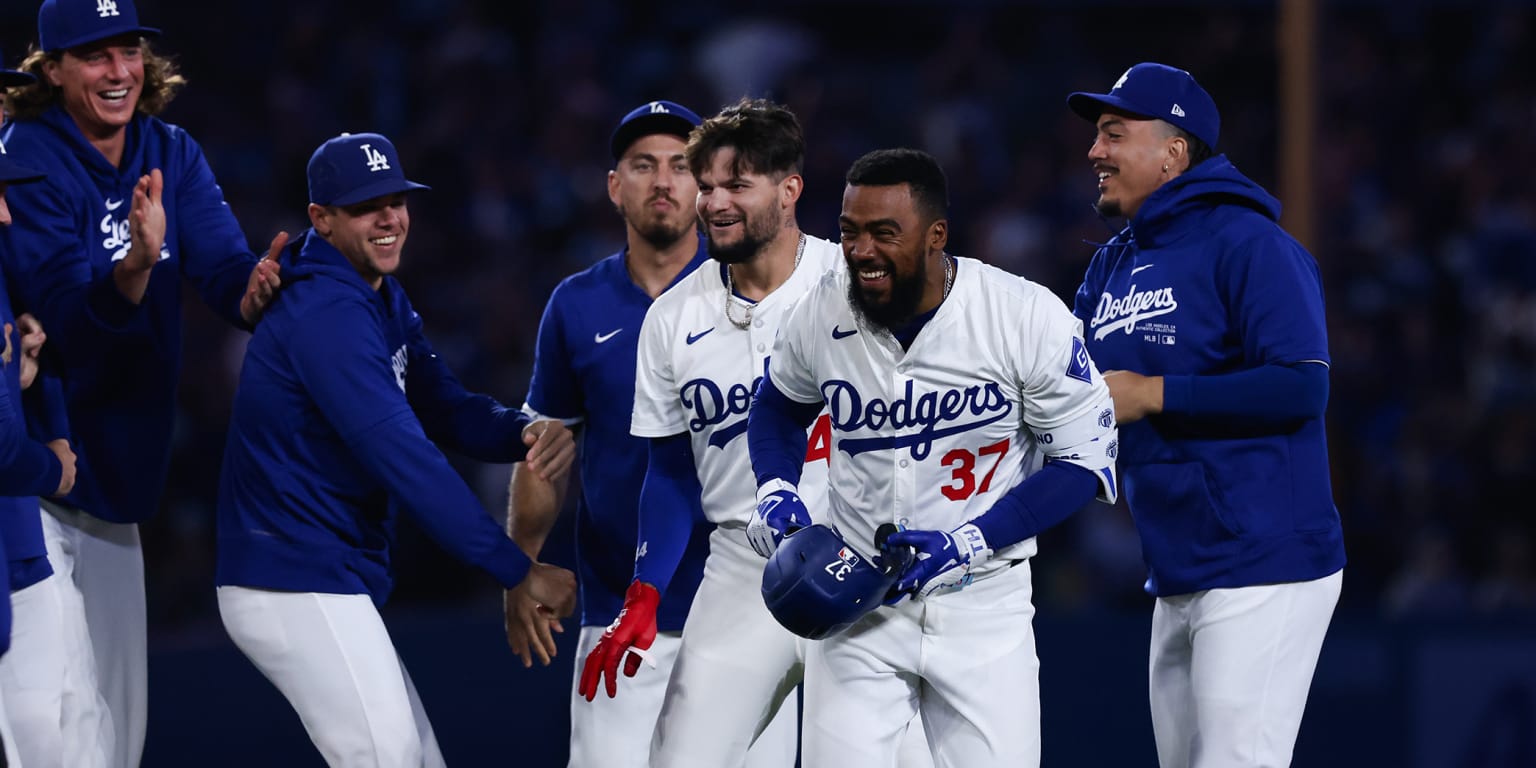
331	657
1230	669
617	732
99	568
736	670
964	663
32	676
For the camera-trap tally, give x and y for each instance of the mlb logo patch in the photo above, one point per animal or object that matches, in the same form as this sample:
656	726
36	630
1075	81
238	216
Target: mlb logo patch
1079	367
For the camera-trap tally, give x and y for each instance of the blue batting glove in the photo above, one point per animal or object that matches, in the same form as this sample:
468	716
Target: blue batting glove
780	512
944	560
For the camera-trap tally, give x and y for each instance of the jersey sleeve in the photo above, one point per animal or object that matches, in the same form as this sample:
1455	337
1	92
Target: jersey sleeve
1066	403
658	411
554	390
1275	301
215	255
789	368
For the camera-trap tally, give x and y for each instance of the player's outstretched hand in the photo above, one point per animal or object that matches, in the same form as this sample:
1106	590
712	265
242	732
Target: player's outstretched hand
780	512
146	223
631	633
551	448
530	626
944	560
265	281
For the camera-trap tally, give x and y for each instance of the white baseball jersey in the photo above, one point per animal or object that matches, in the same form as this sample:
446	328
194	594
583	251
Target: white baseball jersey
930	437
696	373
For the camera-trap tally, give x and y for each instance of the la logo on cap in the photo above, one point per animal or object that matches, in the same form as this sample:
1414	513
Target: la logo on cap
1121	81
375	159
659	108
105	8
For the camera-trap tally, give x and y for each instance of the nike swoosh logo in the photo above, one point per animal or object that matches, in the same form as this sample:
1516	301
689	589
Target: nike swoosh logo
111	206
1138	269
692	337
602	337
838	333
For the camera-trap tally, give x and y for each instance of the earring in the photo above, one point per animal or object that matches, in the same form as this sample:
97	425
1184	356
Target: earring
1165	169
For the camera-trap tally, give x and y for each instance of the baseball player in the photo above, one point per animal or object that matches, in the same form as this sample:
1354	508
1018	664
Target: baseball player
31	642
99	253
965	410
702	349
584	373
1212	318
340	400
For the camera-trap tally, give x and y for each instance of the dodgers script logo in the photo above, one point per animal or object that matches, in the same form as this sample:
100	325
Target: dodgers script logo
933	411
375	159
712	406
117	239
1124	313
398	362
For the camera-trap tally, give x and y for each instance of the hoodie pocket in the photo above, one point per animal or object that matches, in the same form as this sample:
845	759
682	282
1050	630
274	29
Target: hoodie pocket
1182	498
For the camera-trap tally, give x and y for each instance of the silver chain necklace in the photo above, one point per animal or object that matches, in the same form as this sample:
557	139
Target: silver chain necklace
949	275
730	292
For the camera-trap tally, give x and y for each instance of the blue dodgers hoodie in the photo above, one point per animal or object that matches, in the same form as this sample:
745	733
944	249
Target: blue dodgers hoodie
339	401
28	467
118	361
1204	282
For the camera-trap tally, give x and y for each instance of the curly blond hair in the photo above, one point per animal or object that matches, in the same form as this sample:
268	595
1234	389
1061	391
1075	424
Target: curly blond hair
26	102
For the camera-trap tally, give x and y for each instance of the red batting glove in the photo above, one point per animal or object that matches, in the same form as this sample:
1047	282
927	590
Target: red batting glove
635	627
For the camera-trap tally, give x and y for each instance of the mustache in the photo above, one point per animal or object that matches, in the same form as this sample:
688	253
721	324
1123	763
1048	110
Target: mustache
663	197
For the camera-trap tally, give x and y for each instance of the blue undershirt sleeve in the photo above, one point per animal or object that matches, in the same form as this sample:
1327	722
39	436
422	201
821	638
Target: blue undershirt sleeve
1044	499
671	504
1269	395
776	433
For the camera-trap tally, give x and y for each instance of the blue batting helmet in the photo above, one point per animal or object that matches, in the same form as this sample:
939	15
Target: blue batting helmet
816	585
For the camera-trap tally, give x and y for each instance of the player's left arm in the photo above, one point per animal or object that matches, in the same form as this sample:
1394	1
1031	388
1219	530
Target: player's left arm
474	424
212	249
783	408
1274	297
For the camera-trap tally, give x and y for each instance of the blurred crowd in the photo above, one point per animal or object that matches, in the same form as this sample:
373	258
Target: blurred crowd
1426	229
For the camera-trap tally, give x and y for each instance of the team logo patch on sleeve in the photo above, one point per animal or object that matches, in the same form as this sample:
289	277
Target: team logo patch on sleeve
1079	368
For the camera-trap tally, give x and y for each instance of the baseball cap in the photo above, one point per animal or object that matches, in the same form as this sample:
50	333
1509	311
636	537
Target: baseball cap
11	77
354	167
652	117
1160	92
65	24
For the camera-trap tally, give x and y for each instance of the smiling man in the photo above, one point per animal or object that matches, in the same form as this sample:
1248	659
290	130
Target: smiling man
965	411
1208	320
334	429
702	350
129	214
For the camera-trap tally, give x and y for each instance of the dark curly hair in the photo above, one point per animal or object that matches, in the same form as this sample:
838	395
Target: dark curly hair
766	136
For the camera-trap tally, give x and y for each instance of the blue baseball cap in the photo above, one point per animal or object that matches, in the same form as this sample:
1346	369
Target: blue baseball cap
12	172
652	117
354	167
11	77
65	24
1158	92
